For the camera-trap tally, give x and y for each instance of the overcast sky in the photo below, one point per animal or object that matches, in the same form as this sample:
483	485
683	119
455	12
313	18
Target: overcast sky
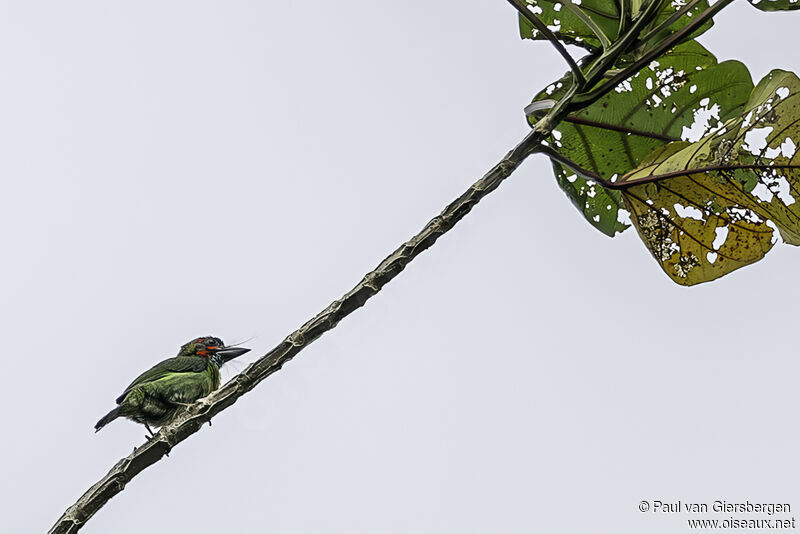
187	168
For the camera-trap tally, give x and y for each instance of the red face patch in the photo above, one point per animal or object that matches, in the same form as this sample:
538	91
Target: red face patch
202	346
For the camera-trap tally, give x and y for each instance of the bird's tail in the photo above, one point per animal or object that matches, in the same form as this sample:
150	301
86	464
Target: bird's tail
107	418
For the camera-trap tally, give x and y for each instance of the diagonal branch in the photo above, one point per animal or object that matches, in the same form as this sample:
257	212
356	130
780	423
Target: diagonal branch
201	412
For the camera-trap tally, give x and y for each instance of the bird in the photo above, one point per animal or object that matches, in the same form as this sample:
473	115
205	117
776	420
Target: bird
156	396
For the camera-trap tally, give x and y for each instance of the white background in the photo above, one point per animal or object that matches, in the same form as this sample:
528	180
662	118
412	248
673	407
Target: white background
187	168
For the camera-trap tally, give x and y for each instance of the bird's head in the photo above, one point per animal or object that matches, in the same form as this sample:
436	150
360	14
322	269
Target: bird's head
212	348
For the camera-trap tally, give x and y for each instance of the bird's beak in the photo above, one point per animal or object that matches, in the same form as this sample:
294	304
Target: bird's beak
229	353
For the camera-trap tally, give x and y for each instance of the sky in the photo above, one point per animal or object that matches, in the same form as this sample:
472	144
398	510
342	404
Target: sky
180	169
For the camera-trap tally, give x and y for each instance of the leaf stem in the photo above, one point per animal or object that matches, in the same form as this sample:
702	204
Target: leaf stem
522	7
667	23
591	24
624	181
585	173
575	119
624	15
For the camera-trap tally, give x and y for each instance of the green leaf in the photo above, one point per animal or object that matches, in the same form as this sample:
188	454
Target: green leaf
569	27
707	208
657	106
599	205
776	5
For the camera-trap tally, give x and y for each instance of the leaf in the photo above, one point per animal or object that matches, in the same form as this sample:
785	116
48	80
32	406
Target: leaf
697	228
707	208
568	27
657	106
776	5
599	205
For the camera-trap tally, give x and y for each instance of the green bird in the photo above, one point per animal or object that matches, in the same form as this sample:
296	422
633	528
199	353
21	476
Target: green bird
155	397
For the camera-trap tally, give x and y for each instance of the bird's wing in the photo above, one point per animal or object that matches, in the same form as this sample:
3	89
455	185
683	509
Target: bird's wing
179	364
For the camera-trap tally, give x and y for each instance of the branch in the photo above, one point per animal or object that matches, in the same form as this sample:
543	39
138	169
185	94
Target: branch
192	419
522	7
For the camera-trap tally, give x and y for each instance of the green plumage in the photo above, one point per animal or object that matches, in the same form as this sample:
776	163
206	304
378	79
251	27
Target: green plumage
156	396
